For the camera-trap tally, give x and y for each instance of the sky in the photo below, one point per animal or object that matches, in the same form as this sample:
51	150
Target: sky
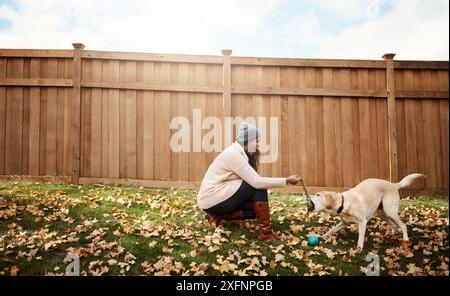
341	29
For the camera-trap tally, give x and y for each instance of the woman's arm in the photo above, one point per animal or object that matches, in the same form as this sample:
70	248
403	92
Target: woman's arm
249	175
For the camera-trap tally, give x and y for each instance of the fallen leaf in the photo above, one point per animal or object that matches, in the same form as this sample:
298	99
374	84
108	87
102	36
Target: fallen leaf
13	271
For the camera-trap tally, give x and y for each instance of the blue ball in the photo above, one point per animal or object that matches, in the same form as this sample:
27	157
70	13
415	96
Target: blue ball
313	240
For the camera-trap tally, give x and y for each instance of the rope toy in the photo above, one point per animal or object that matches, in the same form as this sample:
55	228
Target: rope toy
310	205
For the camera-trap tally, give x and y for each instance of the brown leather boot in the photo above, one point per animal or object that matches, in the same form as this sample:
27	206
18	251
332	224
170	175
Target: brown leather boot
263	220
214	220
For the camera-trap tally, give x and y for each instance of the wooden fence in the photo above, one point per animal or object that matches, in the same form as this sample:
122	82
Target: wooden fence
94	116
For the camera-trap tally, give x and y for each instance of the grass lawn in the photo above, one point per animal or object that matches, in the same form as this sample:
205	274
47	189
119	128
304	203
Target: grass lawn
126	230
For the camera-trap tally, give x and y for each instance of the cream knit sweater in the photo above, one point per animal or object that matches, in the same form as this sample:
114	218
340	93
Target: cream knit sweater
225	175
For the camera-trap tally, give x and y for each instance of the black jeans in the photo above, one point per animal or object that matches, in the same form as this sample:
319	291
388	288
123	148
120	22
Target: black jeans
243	199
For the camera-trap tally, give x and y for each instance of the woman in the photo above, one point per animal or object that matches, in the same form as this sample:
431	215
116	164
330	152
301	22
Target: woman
233	190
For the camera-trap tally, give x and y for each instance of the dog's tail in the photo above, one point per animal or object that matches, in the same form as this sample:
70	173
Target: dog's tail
408	180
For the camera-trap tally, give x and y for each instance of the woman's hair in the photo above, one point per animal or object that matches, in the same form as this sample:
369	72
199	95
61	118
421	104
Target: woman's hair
253	159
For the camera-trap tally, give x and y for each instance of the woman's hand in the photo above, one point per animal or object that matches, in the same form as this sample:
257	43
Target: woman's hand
293	180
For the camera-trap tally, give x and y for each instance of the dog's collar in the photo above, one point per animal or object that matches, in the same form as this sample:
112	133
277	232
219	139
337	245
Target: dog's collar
342	205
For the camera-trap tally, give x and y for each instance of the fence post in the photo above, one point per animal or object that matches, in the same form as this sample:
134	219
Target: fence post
392	129
226	102
78	47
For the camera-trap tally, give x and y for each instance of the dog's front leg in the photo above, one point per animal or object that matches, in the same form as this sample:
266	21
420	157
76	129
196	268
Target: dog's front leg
362	231
335	229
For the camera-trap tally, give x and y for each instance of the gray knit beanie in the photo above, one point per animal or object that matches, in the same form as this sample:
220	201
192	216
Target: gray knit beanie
247	132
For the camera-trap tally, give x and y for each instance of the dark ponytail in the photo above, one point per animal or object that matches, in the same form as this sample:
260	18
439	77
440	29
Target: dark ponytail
253	159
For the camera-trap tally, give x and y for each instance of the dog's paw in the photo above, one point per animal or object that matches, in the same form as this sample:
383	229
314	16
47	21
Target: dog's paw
406	244
357	249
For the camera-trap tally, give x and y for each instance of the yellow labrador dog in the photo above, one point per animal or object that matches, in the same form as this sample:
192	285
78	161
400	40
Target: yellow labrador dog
360	203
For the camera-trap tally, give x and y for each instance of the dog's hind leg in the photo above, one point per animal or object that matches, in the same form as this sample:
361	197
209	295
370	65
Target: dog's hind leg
391	211
396	219
383	216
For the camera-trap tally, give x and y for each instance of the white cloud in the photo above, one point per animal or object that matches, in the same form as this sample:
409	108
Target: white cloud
351	9
414	29
155	26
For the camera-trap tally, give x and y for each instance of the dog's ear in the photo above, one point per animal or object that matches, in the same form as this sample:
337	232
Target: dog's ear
329	199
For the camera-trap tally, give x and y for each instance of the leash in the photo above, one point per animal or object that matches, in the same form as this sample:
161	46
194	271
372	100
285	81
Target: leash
305	190
305	193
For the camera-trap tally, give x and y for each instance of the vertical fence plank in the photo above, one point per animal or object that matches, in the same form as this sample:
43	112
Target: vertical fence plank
162	120
77	111
311	129
139	122
3	62
105	121
200	98
86	122
390	87
364	124
114	122
226	78
329	138
68	121
420	147
148	124
42	116
348	135
14	119
50	123
26	119
320	129
96	121
410	124
276	110
289	78
60	107
444	126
